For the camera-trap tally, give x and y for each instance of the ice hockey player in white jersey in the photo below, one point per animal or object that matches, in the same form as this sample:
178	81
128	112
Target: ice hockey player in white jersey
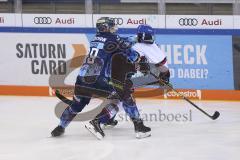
148	50
151	59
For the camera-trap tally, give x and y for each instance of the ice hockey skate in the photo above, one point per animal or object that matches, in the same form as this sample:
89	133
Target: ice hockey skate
58	131
110	124
141	130
95	128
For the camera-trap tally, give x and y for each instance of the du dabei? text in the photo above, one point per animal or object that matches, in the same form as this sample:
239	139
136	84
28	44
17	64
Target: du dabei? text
191	60
45	58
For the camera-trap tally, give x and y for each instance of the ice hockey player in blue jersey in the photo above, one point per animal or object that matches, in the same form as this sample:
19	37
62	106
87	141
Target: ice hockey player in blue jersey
121	72
151	58
94	75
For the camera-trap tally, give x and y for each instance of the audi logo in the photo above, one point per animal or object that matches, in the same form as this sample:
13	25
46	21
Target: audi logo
188	21
42	20
118	21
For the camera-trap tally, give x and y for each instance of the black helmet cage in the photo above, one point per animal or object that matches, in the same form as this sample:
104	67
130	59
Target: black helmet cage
105	24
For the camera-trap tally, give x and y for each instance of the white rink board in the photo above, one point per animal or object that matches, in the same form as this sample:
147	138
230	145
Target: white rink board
236	22
199	22
132	21
10	20
57	20
122	20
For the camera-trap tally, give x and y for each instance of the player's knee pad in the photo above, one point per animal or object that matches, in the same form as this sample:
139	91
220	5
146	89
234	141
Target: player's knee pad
79	103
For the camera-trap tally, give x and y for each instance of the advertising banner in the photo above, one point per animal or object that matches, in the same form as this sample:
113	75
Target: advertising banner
199	22
132	21
57	20
199	62
122	20
28	59
195	61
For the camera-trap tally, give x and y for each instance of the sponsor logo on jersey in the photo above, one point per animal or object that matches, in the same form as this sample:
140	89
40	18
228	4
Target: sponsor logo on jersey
102	39
1	19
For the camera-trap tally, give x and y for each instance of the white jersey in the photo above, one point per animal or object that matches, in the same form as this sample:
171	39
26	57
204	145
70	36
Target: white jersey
151	51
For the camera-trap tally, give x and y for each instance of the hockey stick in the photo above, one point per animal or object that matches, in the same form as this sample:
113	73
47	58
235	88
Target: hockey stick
63	98
213	117
69	102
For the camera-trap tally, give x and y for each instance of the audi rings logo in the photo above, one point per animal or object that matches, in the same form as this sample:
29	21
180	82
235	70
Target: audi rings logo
118	21
42	20
188	21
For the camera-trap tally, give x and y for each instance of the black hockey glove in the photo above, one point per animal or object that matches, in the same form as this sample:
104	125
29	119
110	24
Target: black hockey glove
164	77
144	65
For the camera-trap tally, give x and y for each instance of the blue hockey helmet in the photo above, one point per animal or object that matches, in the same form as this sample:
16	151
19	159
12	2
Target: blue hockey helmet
106	24
145	34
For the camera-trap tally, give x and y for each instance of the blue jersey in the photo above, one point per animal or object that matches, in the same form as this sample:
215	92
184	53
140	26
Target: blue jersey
102	48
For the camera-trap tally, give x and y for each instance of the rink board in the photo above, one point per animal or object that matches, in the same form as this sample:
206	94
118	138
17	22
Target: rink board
233	95
193	60
193	52
26	81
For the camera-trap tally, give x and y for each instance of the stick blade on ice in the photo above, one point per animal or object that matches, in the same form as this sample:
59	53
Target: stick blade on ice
215	115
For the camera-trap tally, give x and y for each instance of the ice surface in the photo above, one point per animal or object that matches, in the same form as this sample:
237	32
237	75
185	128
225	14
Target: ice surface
26	123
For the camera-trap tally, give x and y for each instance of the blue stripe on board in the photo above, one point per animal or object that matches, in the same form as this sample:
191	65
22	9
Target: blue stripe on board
122	31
